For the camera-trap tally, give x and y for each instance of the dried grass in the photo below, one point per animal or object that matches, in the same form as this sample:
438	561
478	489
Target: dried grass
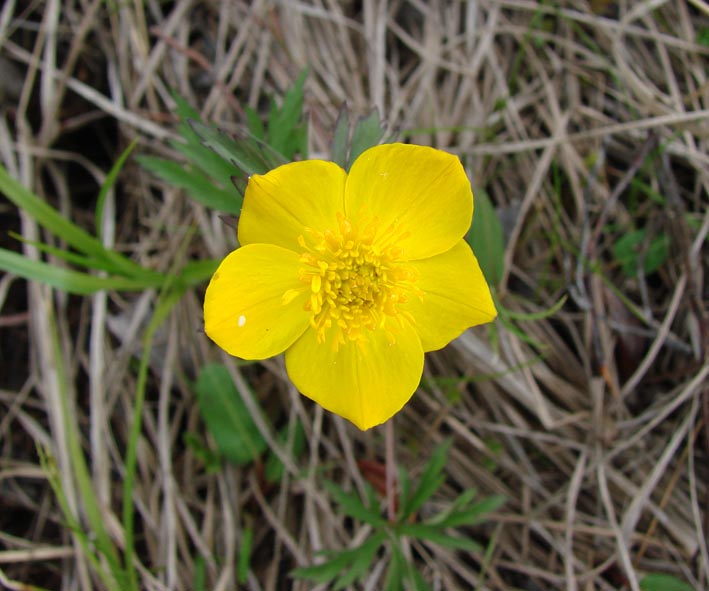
595	429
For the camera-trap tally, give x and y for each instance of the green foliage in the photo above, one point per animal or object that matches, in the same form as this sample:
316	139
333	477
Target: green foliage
660	582
287	131
294	445
247	541
703	37
487	239
637	248
343	568
217	165
350	140
206	177
227	418
87	251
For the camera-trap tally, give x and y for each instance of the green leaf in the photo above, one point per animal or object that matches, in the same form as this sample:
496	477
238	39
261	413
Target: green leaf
703	37
470	515
433	534
395	572
462	501
541	315
431	480
190	146
68	280
70	257
338	151
327	571
660	582
199	576
199	187
362	562
486	239
254	124
350	504
284	125
52	220
368	132
211	459
249	157
108	185
196	272
227	417
242	569
632	248
418	582
274	467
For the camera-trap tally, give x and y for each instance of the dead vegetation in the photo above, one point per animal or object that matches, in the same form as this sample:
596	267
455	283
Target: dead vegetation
584	123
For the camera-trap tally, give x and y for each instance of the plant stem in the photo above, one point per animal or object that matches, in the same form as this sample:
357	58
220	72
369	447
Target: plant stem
390	469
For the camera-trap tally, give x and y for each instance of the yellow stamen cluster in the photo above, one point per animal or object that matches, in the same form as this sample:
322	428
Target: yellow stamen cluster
355	281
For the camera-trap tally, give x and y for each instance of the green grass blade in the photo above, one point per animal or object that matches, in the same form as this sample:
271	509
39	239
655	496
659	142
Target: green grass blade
165	304
108	185
68	280
242	570
68	256
195	272
64	229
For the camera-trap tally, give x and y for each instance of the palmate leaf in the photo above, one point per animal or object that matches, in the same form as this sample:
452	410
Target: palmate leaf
247	158
341	563
190	146
469	515
350	504
338	149
431	480
361	565
369	131
434	534
197	185
401	571
287	132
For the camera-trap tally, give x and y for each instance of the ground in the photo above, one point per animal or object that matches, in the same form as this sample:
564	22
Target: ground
583	127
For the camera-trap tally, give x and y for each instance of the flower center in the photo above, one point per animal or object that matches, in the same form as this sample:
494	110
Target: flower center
355	281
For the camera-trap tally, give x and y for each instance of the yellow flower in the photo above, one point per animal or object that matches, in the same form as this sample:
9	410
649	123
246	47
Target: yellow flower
354	276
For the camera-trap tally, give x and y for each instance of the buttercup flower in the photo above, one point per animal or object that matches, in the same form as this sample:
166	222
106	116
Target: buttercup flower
354	276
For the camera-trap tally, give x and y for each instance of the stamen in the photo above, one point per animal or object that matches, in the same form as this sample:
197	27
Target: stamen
356	280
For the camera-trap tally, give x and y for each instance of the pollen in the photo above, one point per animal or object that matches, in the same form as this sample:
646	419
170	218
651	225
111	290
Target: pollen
356	280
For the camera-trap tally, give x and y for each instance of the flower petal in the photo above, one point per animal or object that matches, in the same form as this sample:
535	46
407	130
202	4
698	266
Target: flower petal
424	192
280	204
244	309
365	383
456	296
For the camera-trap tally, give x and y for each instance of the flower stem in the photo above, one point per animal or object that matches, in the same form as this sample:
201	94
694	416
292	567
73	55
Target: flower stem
390	469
